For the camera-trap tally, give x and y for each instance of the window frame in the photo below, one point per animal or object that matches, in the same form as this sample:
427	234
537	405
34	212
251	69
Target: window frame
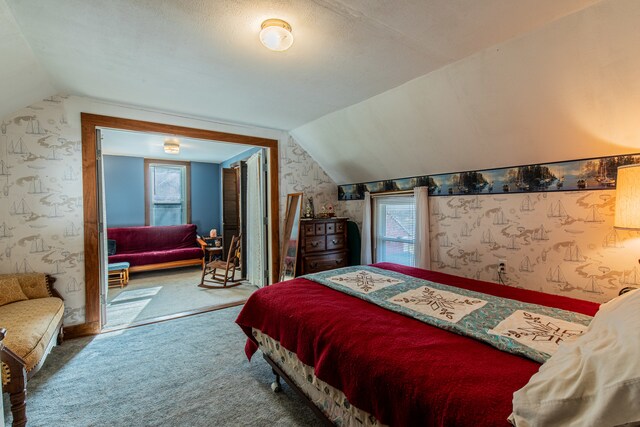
374	224
148	193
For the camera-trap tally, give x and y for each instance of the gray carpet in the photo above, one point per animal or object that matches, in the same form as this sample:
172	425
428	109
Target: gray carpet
185	372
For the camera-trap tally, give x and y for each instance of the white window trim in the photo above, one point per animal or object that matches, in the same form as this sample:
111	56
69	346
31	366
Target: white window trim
376	236
148	186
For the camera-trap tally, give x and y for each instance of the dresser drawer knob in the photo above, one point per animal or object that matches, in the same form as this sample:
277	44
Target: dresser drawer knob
313	264
315	244
339	261
334	241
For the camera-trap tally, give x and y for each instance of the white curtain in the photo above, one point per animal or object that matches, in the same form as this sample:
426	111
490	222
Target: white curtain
366	241
256	249
422	252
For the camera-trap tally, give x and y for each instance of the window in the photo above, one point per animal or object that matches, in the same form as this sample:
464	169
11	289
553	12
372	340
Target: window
395	220
167	192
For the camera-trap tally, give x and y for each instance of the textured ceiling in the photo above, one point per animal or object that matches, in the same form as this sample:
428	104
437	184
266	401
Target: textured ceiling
203	58
568	90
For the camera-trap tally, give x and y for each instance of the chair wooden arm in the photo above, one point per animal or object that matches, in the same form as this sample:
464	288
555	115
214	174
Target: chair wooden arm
201	242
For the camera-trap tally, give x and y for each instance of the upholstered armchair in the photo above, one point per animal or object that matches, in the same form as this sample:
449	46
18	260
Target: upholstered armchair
31	312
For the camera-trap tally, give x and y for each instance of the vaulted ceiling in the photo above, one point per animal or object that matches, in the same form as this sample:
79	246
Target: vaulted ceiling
203	58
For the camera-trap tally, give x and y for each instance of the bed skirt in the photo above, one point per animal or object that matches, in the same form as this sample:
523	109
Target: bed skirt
331	401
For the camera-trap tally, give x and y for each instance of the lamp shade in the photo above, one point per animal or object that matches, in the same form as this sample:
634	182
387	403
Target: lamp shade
628	198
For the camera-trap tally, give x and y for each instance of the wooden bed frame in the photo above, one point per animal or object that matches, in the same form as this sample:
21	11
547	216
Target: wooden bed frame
17	386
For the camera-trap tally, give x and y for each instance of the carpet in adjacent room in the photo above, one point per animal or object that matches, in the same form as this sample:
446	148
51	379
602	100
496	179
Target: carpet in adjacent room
154	294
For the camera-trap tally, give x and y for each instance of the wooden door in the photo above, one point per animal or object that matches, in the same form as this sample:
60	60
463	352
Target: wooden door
230	206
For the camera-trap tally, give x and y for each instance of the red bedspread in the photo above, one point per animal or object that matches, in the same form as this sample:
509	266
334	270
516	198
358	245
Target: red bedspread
399	369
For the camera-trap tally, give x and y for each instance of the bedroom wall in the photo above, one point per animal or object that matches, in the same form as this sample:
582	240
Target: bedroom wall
206	196
578	254
41	217
124	189
45	232
300	173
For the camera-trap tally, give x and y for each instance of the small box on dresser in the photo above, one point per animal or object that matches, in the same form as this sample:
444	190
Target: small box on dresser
323	245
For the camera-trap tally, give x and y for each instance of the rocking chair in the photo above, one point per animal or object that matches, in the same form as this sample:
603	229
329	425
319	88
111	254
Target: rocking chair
223	272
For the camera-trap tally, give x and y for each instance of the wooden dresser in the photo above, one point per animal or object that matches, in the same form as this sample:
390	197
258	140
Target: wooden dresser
323	245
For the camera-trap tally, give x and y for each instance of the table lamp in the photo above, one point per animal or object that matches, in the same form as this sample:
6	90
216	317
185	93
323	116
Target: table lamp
627	216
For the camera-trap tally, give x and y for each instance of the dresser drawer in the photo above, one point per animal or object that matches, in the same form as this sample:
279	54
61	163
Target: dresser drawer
314	244
335	242
320	229
340	227
314	264
331	228
309	230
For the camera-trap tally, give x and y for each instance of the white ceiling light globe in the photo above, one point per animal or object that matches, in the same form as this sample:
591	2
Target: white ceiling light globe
276	35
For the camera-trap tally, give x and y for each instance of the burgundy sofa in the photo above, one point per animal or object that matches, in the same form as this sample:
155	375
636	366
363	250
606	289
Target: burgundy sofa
156	247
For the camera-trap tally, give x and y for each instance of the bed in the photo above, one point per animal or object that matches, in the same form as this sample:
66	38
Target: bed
362	364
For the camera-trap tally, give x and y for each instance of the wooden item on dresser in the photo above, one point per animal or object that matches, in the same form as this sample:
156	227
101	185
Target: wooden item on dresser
323	245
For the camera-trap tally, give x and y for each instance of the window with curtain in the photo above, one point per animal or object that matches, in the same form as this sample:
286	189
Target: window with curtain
167	193
394	229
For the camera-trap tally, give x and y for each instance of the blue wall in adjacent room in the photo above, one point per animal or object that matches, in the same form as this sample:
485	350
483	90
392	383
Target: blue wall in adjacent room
124	190
206	197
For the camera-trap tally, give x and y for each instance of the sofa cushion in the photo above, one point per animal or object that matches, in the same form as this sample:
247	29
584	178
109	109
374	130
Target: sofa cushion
156	257
10	291
30	326
34	285
153	238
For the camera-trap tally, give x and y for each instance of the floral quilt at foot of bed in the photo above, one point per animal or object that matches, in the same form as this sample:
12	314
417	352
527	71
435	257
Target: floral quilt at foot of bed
329	399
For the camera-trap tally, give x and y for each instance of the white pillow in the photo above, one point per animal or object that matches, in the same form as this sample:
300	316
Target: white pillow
593	380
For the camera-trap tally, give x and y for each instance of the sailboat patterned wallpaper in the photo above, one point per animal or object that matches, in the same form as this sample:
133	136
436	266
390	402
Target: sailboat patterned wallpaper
560	243
41	216
41	200
299	173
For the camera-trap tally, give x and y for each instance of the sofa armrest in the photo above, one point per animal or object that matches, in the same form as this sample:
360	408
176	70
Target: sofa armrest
53	291
15	374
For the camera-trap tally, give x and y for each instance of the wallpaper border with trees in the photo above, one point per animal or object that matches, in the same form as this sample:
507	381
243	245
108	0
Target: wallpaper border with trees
597	173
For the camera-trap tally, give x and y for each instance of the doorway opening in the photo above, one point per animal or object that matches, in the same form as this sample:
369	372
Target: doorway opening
143	194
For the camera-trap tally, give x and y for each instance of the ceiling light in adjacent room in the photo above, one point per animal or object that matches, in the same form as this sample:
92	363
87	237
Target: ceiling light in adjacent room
276	35
172	146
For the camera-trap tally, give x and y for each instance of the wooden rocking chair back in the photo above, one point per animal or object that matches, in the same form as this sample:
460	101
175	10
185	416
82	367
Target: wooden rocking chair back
220	272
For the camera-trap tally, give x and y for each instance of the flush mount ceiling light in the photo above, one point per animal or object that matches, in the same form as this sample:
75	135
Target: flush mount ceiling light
172	146
276	35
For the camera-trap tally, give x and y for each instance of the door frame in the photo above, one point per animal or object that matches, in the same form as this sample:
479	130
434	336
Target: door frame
91	122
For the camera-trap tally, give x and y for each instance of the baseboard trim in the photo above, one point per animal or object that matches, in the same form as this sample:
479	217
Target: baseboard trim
82	330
